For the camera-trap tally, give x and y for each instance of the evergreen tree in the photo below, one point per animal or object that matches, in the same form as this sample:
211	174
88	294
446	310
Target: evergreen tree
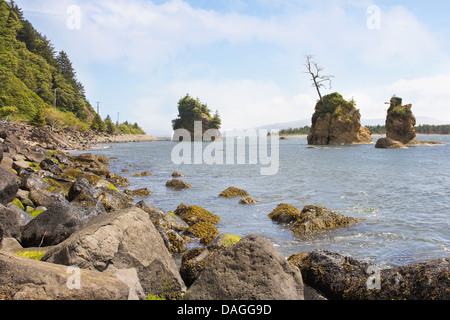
38	119
98	124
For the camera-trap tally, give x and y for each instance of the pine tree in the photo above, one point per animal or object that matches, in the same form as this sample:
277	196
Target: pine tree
38	119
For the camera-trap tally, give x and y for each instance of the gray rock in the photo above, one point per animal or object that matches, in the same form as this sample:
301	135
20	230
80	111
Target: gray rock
8	186
27	279
35	156
44	198
252	269
123	240
56	224
10	223
33	181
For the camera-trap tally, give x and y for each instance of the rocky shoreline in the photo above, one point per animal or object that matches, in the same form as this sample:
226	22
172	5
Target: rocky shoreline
58	211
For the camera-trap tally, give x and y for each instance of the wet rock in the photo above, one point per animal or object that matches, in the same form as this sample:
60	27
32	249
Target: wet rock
252	269
341	277
177	174
178	184
284	213
205	231
142	192
247	200
123	240
233	192
387	143
314	219
117	180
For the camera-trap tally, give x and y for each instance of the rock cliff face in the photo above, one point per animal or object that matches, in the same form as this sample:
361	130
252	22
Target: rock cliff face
337	122
400	122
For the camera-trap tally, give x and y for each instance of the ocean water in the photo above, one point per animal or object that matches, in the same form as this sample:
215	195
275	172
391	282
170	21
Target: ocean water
403	195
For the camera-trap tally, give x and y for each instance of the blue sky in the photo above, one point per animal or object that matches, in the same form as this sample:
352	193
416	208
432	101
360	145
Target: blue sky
245	58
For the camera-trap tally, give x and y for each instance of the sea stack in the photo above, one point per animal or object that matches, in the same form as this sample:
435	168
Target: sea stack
400	122
337	122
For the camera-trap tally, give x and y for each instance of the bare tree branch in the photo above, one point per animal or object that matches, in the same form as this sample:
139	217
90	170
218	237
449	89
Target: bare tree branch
315	70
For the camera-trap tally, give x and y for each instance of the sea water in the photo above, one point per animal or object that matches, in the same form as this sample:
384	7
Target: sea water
403	194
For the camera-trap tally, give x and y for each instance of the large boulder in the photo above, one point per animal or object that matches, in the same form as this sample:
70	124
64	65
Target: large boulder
341	277
27	279
10	222
33	181
252	269
119	241
57	224
8	186
337	122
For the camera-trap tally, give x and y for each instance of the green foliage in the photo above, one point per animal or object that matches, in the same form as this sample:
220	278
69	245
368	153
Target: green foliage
433	129
127	128
295	131
191	110
98	124
330	103
38	119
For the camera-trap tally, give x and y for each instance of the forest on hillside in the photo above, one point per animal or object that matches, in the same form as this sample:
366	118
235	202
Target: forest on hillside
40	85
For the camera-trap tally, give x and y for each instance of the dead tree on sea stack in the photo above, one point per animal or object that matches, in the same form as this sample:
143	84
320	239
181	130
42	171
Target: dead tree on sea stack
315	71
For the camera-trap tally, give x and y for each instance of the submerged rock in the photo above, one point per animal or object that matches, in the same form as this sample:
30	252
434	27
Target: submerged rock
247	200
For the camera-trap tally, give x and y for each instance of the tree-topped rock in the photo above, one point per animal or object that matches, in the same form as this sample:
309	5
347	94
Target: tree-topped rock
337	122
400	122
191	110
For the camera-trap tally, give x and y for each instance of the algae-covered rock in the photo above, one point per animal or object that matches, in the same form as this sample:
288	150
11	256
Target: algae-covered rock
193	214
178	184
233	192
205	231
247	200
284	213
142	192
314	219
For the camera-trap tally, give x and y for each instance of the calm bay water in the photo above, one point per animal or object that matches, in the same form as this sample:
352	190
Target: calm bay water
403	194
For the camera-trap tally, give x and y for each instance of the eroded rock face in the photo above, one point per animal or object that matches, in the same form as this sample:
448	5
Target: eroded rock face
337	122
400	122
252	269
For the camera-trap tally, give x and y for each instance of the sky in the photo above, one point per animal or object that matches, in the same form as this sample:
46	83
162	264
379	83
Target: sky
138	58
